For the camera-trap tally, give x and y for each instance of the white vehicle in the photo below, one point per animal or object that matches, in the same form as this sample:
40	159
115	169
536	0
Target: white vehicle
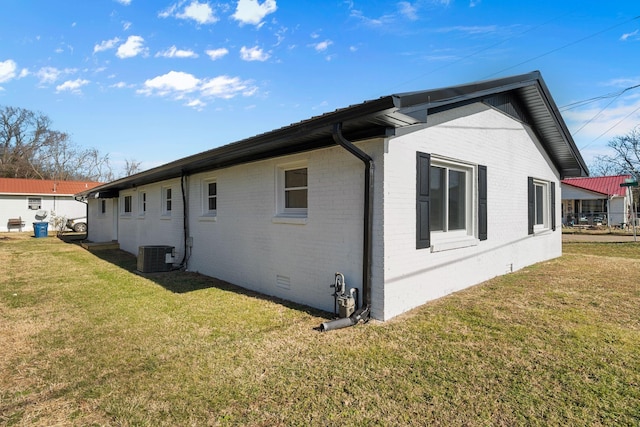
77	224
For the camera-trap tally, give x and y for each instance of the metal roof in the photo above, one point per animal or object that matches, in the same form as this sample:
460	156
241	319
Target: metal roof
607	185
380	118
44	187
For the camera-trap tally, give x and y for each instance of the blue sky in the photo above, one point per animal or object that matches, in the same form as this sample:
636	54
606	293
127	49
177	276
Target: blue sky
157	81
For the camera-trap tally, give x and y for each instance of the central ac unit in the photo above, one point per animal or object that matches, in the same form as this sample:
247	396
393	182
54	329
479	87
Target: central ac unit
156	258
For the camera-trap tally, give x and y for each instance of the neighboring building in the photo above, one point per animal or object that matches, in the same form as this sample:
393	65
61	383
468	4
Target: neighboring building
463	188
35	200
595	201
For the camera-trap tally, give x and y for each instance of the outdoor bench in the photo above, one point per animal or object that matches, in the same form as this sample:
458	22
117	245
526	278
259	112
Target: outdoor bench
15	223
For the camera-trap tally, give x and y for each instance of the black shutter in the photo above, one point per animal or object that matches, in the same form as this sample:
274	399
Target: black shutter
423	234
482	202
553	206
532	204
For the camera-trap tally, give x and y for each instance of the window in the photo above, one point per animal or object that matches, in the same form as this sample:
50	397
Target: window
166	201
295	189
448	208
103	207
126	208
142	203
35	203
451	203
541	195
210	201
292	192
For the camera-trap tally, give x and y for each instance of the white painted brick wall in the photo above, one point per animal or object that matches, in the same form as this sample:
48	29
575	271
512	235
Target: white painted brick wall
297	262
245	247
478	135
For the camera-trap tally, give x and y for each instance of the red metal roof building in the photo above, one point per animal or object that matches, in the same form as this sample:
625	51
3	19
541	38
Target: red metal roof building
27	201
609	185
43	186
595	201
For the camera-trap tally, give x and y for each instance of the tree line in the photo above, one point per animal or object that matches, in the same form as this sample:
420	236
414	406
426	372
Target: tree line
31	148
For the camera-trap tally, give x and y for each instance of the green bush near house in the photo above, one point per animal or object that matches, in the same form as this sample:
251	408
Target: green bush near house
87	341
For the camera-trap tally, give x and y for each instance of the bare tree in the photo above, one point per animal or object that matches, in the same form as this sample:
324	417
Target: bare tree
131	167
23	134
29	148
626	157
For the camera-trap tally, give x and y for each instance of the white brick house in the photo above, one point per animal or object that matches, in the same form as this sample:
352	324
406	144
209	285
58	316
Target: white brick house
463	188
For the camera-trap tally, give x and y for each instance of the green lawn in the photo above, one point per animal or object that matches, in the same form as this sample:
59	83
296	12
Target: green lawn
85	341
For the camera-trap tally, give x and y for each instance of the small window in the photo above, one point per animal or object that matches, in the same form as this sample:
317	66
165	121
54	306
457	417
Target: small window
292	193
295	189
35	203
541	205
166	201
103	207
127	205
142	203
210	201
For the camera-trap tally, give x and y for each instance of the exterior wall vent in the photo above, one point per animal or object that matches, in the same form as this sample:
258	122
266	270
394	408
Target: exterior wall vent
153	259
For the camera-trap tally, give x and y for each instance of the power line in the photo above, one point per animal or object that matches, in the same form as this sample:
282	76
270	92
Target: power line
564	46
597	98
581	103
483	49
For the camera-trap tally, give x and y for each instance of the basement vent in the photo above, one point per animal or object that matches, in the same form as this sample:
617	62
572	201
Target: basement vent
153	259
283	282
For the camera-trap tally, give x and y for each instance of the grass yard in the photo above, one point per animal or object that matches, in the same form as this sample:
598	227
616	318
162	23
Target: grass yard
85	341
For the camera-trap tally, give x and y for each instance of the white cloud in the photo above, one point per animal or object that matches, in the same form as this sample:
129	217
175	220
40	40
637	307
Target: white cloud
174	52
476	29
48	75
174	82
72	86
126	25
253	54
134	46
216	53
120	85
224	87
180	85
197	104
199	12
322	46
633	35
252	12
408	10
7	70
106	45
124	2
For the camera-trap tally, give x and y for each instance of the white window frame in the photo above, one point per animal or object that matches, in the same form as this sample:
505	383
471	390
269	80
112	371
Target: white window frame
452	239
124	211
167	201
209	214
142	203
541	188
284	214
34	203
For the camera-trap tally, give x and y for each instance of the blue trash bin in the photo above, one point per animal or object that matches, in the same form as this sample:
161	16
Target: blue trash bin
40	229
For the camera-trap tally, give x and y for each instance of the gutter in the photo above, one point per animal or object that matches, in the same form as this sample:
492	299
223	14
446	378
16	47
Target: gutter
362	313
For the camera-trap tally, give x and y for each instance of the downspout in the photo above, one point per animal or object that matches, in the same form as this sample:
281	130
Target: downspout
362	313
185	222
